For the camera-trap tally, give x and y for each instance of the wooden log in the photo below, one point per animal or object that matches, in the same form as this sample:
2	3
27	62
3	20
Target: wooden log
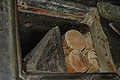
73	39
76	62
79	52
66	48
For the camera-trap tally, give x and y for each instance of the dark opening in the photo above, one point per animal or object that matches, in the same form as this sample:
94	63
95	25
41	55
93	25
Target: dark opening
34	27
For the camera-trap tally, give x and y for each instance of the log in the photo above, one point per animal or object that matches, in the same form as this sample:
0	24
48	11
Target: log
73	39
79	52
76	62
66	48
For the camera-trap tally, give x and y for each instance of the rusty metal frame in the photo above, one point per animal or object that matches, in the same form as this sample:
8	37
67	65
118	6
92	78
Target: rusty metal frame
10	59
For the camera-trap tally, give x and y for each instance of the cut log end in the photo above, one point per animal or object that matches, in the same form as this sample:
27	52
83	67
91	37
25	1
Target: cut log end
75	39
75	62
79	52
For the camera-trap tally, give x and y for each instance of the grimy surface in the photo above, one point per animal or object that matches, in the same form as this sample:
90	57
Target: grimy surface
7	44
48	55
7	41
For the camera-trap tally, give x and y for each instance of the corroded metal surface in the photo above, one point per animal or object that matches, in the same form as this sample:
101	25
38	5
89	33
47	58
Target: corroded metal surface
75	16
10	70
7	42
106	65
40	25
63	9
109	11
97	34
76	76
48	55
1	14
100	41
115	26
58	5
114	41
110	23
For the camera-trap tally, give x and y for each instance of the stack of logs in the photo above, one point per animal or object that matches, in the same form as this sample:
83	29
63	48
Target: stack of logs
79	52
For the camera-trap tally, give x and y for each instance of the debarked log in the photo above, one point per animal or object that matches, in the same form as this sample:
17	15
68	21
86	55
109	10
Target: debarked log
79	52
73	39
76	62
